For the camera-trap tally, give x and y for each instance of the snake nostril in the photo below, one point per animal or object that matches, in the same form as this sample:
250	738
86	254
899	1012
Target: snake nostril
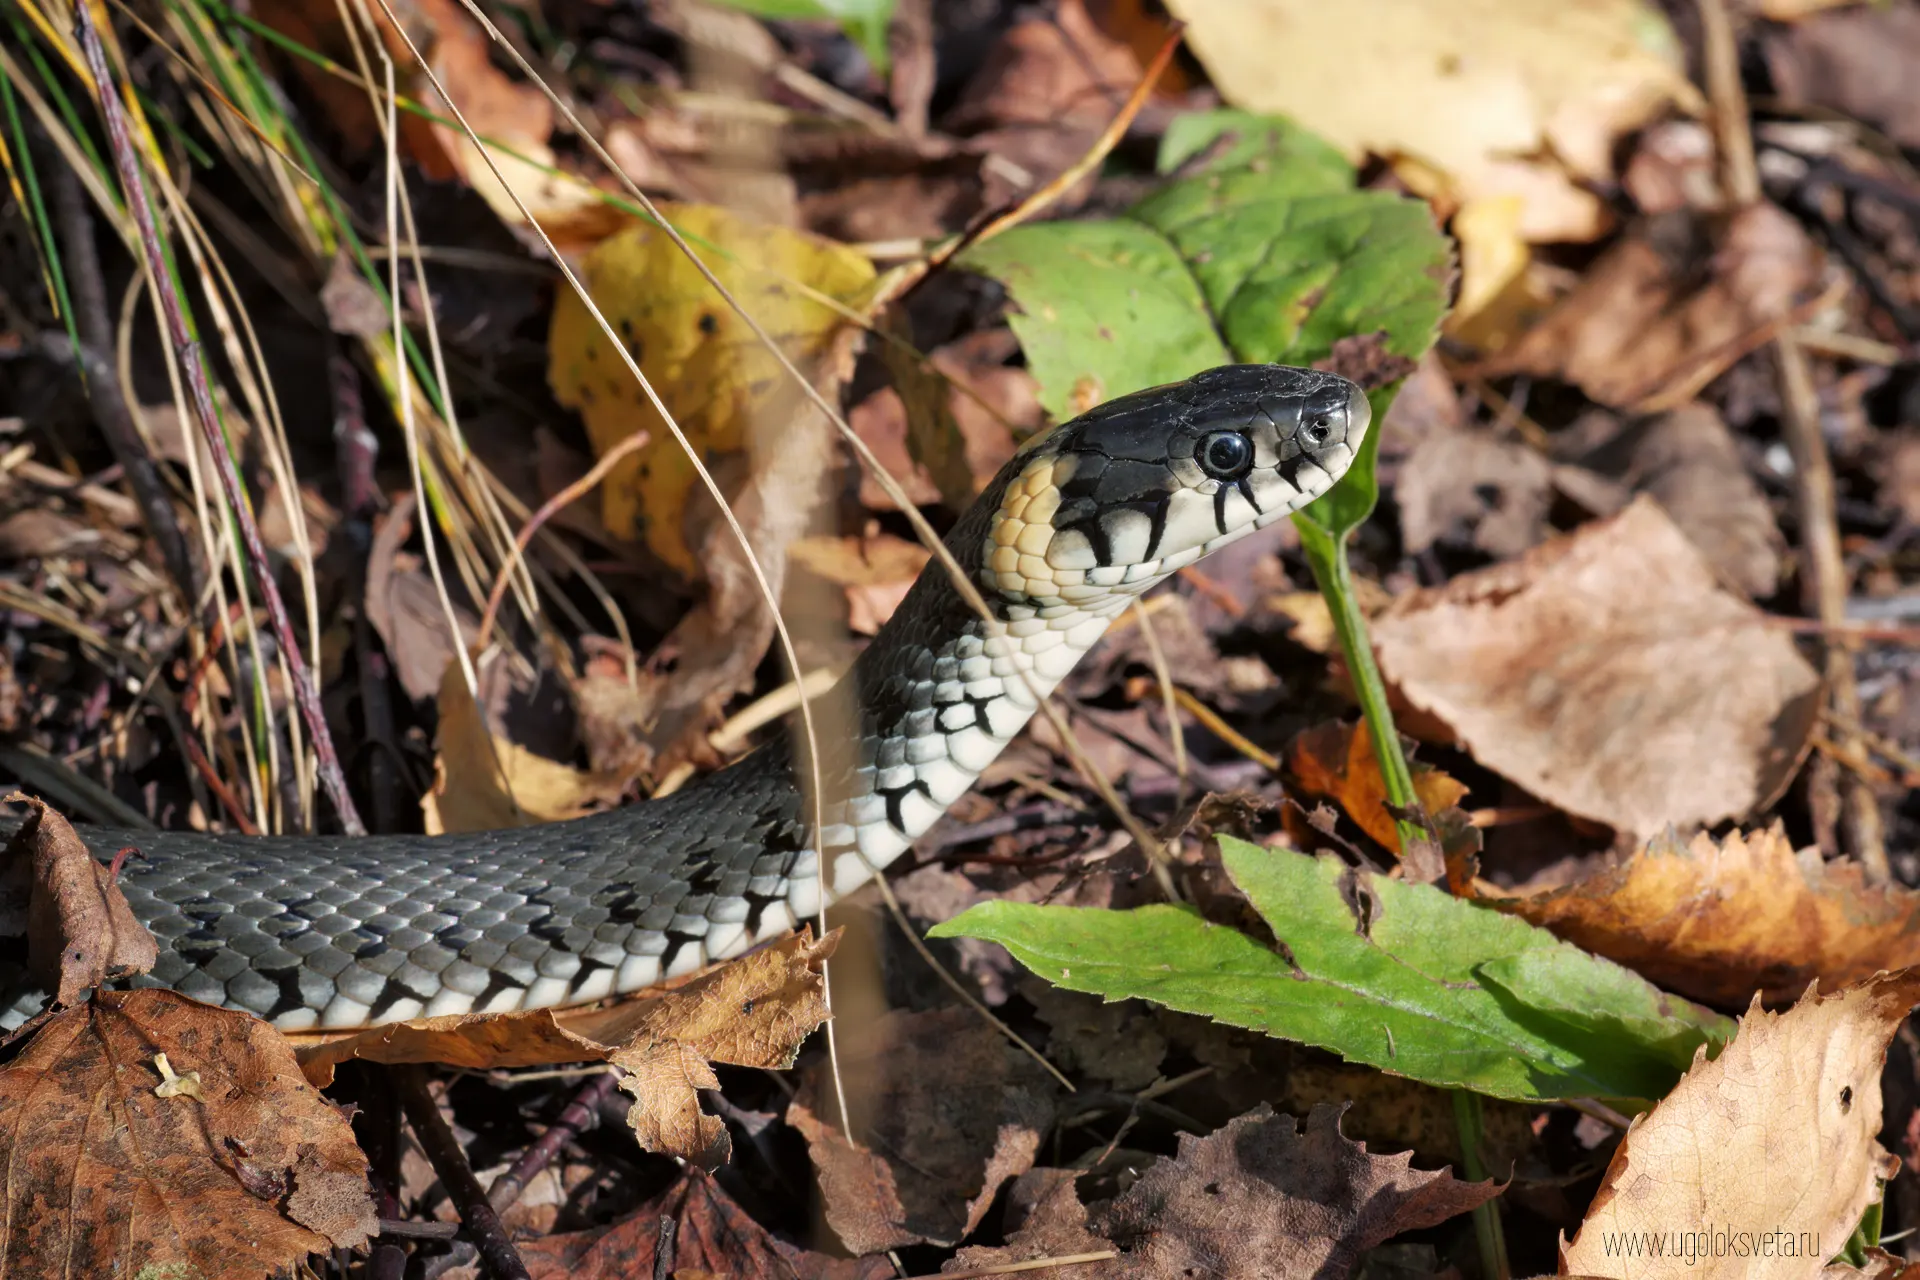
1318	428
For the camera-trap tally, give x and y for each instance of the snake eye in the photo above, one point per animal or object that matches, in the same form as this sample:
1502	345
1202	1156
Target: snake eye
1225	455
1317	429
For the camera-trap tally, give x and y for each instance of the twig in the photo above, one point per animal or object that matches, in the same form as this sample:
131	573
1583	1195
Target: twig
1824	583
187	351
456	1175
93	320
580	1114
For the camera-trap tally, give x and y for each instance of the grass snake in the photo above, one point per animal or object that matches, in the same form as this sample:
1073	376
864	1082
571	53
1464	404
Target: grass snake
326	931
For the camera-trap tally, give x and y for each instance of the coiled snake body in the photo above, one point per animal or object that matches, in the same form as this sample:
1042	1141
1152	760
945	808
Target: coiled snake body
319	931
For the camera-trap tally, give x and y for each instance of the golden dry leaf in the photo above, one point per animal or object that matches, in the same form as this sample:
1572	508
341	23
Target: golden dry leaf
722	386
1722	920
80	930
1608	673
1336	760
875	573
1483	91
106	1176
482	787
752	1012
1759	1163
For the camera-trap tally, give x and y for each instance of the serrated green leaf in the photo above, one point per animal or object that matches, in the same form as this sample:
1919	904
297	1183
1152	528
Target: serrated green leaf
1400	977
1263	252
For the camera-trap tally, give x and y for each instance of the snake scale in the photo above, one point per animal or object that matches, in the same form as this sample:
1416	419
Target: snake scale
326	931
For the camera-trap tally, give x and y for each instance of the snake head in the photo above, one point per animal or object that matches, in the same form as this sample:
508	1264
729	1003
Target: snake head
1113	501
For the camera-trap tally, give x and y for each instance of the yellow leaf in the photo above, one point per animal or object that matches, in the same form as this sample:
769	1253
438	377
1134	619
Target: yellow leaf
1471	88
704	361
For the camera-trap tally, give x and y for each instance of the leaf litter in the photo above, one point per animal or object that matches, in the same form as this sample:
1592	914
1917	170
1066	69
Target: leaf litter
1587	531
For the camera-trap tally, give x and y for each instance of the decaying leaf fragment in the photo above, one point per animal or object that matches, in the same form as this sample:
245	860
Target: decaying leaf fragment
80	930
1265	1196
945	1110
1760	1162
1608	673
116	1176
1723	920
752	1012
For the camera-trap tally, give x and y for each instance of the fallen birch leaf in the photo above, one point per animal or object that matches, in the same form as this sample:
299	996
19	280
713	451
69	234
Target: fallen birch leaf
109	1176
1264	1196
752	1012
1760	1162
1608	673
1722	920
80	930
945	1110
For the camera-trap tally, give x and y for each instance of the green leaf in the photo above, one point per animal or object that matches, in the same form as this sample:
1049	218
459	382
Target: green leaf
864	21
1397	976
1261	250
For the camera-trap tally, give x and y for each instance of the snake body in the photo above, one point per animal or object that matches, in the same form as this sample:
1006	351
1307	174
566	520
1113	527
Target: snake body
324	931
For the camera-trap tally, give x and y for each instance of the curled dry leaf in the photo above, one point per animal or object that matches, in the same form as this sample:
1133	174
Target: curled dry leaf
1722	920
1760	1162
712	1236
945	1111
751	1012
80	930
768	447
404	607
1609	674
483	782
1264	1196
246	1176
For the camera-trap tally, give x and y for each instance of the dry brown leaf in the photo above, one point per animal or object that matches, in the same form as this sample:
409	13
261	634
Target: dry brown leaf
107	1177
1772	1145
1003	401
1688	461
1635	324
945	1111
1472	487
711	1236
1857	62
80	930
404	608
1044	93
482	787
1336	760
1051	1223
1609	674
752	1012
1312	620
875	573
1264	1197
1721	920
